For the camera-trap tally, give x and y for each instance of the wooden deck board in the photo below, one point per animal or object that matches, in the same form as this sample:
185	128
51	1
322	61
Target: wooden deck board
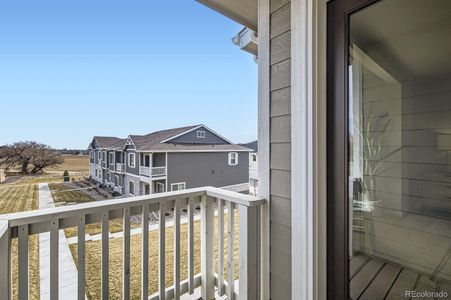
445	287
381	284
363	278
405	282
356	264
375	279
424	284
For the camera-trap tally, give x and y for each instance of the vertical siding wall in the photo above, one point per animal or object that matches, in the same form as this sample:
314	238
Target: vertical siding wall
280	148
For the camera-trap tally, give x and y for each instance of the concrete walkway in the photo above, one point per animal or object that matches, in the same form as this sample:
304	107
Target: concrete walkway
67	268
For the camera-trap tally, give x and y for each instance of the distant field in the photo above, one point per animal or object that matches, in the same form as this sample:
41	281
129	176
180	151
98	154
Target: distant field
74	163
78	164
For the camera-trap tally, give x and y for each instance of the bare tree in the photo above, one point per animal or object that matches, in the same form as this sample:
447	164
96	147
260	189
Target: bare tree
30	157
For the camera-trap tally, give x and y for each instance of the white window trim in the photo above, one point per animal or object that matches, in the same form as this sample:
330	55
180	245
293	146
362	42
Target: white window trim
178	183
129	191
200	134
129	160
230	158
162	184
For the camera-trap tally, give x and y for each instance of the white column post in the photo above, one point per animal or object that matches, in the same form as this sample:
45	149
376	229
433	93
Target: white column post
249	254
263	140
207	248
5	261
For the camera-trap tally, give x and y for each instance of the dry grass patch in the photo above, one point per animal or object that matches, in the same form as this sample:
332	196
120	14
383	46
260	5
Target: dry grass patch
15	199
63	193
42	178
93	261
74	163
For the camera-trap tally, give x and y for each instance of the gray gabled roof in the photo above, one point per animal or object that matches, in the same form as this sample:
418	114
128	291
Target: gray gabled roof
155	141
109	142
161	141
252	145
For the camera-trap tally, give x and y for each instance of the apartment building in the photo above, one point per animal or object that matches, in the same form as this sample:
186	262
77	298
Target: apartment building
168	160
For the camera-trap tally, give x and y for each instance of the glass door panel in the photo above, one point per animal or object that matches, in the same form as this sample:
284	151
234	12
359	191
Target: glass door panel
399	168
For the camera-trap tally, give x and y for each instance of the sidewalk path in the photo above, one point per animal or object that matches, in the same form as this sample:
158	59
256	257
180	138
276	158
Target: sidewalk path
67	268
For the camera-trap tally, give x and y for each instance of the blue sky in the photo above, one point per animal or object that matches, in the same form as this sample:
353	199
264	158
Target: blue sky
73	69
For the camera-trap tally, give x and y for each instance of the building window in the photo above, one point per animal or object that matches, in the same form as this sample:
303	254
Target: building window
159	187
254	157
131	188
97	173
201	134
131	160
178	186
233	158
111	158
100	155
146	189
92	154
117	180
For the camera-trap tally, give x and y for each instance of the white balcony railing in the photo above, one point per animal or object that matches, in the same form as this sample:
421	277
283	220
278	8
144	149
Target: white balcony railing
158	171
22	225
120	167
144	171
154	172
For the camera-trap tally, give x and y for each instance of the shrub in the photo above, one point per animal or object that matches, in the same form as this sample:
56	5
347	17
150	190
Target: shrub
66	175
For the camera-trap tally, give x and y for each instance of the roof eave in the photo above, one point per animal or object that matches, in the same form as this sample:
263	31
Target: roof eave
244	12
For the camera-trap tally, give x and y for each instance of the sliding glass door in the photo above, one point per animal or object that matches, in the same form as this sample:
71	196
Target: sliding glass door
394	107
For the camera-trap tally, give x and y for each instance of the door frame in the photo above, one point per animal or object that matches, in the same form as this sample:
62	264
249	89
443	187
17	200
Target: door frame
338	15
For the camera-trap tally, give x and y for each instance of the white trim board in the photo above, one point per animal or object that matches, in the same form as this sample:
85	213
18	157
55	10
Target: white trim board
128	142
308	149
264	142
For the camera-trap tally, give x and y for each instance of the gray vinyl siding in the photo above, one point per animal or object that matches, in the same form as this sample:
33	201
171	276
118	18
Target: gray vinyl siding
158	159
280	149
129	169
191	138
207	169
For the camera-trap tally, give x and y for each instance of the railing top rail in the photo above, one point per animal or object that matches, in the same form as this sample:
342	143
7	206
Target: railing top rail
234	197
34	216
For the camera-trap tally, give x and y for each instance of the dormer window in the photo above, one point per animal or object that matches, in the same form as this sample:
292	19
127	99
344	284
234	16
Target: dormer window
201	134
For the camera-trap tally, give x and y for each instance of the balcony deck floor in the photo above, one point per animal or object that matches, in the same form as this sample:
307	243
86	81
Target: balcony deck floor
374	279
